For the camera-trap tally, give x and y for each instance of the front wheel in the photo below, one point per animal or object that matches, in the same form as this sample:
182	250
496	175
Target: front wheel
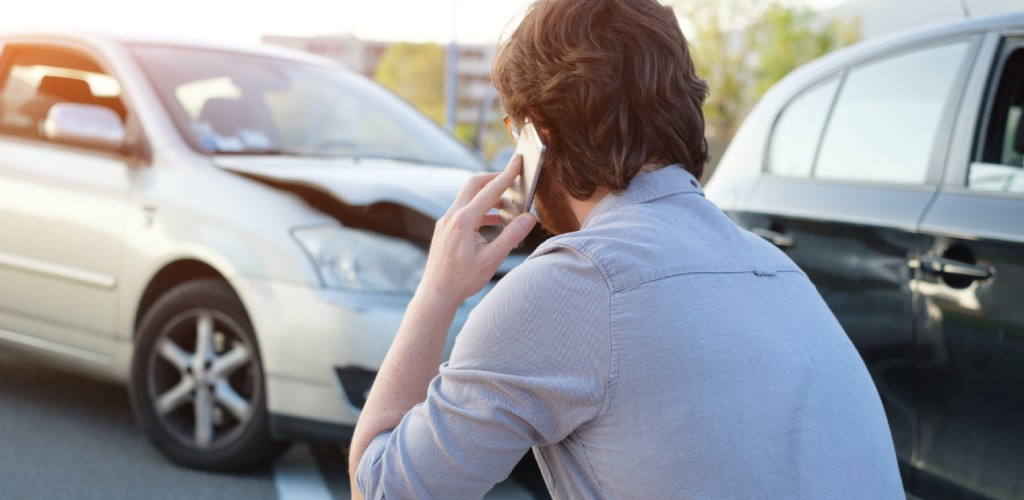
197	382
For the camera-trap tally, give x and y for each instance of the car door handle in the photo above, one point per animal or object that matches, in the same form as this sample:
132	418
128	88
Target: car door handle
774	237
949	267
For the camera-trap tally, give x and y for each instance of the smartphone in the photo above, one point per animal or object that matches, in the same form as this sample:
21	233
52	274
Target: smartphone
518	199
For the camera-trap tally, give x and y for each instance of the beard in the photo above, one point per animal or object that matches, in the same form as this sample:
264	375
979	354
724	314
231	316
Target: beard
553	210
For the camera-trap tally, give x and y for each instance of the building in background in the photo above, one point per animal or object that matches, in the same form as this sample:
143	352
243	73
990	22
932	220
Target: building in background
473	70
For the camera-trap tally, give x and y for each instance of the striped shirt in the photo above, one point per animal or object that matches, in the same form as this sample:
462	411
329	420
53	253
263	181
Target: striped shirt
659	352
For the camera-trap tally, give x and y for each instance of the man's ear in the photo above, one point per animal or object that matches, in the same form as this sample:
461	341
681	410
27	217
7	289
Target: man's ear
545	135
543	130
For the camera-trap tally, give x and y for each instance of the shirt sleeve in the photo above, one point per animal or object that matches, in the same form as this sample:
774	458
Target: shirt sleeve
530	366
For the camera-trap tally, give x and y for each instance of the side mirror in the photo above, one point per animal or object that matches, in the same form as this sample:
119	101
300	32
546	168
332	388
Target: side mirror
85	125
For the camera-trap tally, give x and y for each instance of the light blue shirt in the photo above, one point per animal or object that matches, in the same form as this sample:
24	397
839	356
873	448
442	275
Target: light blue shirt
659	352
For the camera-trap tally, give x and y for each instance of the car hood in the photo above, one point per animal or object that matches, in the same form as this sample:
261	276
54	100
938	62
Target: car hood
358	182
389	197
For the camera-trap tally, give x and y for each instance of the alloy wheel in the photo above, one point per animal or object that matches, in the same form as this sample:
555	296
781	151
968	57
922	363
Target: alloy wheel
203	379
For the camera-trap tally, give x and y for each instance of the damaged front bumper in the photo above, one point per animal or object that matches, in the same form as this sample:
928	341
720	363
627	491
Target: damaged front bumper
320	349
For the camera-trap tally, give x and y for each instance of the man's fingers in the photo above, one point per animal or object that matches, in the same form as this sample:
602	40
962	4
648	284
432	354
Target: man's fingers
478	182
470	189
490	194
491	220
513	234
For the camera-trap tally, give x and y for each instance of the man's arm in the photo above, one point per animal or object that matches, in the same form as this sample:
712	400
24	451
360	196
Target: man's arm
459	264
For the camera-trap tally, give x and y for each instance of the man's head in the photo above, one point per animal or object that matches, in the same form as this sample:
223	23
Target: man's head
610	85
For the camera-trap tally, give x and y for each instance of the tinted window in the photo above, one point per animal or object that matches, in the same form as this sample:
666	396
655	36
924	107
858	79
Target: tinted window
885	120
797	133
1002	165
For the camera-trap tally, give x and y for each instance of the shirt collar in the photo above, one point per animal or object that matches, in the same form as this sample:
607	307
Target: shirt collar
649	186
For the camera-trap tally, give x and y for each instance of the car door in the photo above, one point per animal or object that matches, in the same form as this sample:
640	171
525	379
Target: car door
970	299
852	163
62	207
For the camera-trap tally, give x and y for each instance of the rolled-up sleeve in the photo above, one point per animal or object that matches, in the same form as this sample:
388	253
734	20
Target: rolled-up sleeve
368	473
531	365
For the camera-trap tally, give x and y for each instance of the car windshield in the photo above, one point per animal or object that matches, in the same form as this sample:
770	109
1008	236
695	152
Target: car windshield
235	103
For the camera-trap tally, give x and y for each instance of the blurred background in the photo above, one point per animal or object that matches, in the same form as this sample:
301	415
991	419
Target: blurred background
437	54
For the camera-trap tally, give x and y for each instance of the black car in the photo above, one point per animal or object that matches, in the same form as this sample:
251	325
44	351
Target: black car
892	172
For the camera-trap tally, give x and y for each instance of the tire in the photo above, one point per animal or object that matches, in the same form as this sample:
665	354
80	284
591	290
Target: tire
202	407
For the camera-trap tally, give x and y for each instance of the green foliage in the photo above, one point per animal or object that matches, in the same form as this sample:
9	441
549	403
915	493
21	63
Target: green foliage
787	37
416	72
465	132
743	47
721	56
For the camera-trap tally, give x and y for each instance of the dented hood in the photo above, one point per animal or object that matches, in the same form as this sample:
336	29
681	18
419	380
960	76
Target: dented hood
364	182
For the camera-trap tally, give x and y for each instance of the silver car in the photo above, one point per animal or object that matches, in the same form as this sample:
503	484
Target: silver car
232	232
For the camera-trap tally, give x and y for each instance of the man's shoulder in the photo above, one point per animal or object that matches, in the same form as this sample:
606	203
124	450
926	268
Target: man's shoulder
606	250
682	235
553	300
558	262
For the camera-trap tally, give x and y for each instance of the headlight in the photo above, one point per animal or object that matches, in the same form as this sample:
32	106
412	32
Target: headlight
363	261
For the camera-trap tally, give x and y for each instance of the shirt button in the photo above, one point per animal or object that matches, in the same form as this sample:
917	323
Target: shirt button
694	183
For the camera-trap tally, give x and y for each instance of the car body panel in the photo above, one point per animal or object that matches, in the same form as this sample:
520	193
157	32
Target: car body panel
971	348
89	233
44	208
947	356
295	345
971	330
363	181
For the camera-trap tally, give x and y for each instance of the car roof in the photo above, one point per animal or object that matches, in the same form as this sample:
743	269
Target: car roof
129	39
980	23
887	43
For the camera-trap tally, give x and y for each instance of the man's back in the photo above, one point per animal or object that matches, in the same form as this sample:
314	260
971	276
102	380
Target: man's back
729	377
659	352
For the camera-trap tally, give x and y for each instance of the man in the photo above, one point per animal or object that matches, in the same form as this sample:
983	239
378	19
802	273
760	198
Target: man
650	350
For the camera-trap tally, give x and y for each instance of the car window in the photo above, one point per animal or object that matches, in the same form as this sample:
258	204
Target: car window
236	103
1002	164
35	79
796	136
886	117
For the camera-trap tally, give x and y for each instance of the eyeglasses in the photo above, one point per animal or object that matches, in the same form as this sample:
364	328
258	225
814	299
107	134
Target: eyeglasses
513	131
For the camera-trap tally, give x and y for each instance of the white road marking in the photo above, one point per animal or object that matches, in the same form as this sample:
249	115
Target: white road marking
297	476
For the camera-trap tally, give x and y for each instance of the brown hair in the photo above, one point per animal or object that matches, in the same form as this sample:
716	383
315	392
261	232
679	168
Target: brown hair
612	82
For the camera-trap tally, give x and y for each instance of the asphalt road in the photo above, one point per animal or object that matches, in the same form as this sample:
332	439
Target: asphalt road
68	436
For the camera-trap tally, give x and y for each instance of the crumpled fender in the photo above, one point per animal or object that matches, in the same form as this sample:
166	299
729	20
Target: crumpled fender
388	197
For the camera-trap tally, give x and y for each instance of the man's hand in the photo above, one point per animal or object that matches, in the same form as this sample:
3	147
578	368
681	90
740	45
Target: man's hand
460	263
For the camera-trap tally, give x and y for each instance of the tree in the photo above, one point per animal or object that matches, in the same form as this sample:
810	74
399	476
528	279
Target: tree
721	56
786	38
742	47
416	72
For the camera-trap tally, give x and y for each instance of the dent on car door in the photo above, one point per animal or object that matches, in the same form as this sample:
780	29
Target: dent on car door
62	207
853	162
971	307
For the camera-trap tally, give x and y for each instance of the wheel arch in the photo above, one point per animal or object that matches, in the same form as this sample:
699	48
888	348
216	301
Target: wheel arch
195	286
170	276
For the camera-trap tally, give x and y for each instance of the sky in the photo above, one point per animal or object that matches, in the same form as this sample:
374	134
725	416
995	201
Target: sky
244	21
